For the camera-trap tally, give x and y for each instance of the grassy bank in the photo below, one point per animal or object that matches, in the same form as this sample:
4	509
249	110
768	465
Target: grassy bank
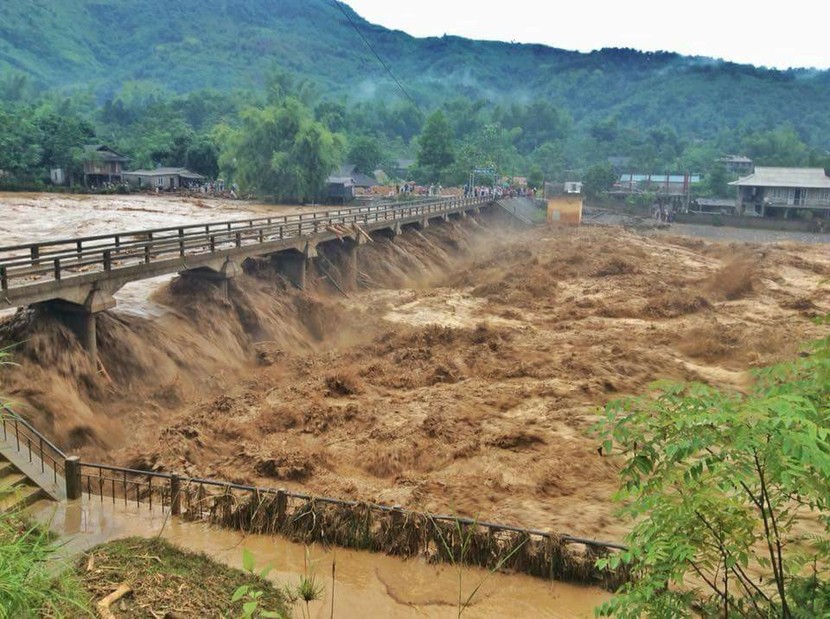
154	578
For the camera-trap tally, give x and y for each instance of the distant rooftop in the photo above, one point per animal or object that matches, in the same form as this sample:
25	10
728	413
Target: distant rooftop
104	152
659	178
735	159
805	178
183	172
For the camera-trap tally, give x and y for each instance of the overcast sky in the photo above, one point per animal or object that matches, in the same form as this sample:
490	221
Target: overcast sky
775	33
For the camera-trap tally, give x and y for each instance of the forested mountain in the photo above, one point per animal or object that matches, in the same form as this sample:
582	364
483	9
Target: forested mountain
179	46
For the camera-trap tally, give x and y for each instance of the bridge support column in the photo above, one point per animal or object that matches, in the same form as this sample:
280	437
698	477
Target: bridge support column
81	319
350	269
293	264
425	223
228	271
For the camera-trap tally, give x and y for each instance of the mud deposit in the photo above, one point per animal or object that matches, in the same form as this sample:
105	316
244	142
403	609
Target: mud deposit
464	377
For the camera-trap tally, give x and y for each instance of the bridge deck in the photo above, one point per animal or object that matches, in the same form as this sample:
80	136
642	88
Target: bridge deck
42	271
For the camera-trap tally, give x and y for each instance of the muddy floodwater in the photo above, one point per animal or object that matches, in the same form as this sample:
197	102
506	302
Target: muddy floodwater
465	375
366	584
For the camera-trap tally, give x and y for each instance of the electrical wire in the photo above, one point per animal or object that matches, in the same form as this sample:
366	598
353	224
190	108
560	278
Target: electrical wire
341	6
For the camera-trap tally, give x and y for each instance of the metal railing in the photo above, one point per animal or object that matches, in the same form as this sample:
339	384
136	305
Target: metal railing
168	491
31	263
306	518
31	444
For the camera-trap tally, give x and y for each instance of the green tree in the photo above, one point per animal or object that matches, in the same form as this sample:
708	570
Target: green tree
719	486
599	179
203	157
279	150
717	182
436	152
365	153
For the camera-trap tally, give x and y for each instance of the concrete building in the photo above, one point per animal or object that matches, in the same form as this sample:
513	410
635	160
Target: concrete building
782	192
163	178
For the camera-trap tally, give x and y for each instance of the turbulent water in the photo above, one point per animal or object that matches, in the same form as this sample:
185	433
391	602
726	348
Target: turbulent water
464	376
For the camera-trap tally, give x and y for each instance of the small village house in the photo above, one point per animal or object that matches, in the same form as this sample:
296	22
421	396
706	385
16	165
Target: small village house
163	179
359	179
784	192
340	189
102	165
736	164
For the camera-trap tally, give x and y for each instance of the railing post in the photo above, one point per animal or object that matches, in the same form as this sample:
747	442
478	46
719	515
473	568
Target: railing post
72	474
36	255
4	279
282	506
57	269
181	241
175	495
107	260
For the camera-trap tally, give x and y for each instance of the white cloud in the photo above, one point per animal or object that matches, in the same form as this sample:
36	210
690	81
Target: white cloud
773	34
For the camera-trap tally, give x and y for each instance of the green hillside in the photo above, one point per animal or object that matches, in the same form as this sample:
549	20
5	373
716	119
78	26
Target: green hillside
181	46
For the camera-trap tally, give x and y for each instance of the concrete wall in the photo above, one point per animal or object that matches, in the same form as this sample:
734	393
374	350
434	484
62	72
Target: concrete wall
565	210
756	223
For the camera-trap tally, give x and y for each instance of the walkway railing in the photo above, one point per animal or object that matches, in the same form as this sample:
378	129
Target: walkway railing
305	518
55	260
31	444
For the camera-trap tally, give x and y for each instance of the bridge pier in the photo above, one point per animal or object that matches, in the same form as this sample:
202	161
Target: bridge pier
228	271
81	319
350	269
293	264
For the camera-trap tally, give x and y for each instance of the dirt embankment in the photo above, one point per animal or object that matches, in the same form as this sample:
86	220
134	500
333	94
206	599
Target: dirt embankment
466	378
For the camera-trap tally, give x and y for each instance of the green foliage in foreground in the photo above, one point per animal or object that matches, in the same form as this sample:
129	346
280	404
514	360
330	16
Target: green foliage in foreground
30	586
729	494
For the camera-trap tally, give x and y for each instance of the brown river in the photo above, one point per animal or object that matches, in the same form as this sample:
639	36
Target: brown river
366	584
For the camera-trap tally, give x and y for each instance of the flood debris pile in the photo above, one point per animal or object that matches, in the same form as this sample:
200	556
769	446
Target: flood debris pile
400	533
463	378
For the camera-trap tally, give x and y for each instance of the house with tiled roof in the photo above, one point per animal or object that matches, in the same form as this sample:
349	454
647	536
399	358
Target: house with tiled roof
782	192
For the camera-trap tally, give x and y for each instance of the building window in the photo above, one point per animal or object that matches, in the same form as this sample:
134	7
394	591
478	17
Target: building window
160	182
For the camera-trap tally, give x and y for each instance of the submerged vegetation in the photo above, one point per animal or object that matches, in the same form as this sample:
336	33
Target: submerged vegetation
729	494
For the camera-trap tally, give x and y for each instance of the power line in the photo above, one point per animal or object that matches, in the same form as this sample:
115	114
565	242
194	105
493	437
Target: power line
380	60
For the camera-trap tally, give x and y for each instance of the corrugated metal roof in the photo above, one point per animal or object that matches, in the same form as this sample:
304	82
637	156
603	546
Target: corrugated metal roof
658	178
806	178
184	172
735	159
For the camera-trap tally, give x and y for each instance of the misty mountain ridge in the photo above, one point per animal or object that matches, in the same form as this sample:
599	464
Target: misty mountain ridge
181	46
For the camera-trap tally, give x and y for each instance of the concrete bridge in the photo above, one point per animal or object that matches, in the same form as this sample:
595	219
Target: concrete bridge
79	276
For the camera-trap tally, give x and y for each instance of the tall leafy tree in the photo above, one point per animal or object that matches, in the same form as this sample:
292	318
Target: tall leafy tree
598	179
436	152
366	153
279	150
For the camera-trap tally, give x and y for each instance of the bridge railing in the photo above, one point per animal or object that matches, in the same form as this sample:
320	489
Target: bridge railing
22	265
